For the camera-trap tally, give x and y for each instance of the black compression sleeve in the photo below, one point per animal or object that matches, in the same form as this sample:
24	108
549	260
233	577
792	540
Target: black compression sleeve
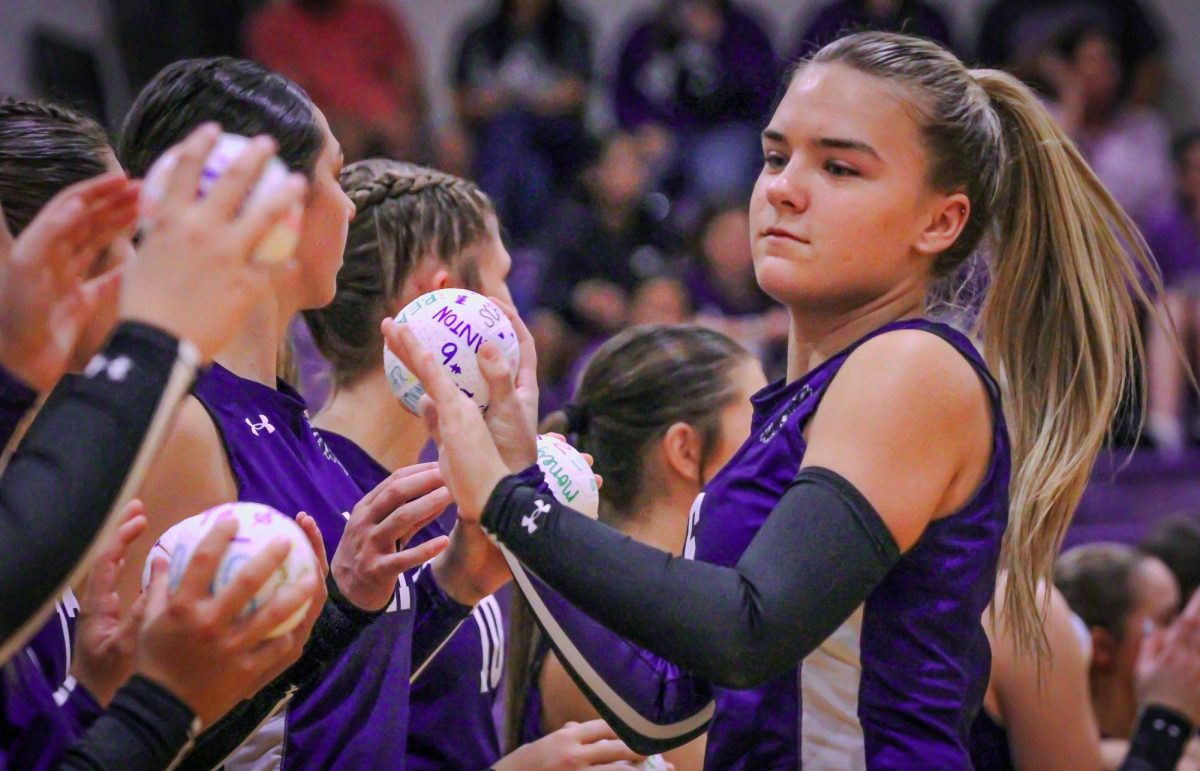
820	553
81	456
338	626
438	617
144	729
16	399
1159	741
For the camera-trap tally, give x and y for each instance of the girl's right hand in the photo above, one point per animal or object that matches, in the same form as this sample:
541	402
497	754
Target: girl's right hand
193	275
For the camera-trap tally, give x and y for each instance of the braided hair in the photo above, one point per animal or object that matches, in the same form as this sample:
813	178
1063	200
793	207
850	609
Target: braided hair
44	148
404	213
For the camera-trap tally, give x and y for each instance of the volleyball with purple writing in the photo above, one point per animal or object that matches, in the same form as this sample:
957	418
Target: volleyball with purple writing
258	526
569	476
452	324
277	244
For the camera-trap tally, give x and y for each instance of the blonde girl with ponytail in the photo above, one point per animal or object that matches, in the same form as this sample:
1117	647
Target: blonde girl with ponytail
845	555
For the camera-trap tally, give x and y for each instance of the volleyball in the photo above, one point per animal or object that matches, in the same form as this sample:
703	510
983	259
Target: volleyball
258	526
452	324
278	243
569	476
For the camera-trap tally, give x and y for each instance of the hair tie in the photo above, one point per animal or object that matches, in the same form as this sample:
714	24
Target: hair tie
578	417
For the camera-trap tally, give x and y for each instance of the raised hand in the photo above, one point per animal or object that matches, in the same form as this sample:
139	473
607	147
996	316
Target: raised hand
106	638
513	409
193	275
371	554
470	462
1167	672
46	299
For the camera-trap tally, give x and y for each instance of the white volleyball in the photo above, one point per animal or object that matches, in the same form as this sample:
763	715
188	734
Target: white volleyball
653	763
278	244
452	324
569	476
258	526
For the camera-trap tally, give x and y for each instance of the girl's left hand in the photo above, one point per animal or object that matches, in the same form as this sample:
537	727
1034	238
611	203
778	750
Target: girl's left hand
106	639
469	458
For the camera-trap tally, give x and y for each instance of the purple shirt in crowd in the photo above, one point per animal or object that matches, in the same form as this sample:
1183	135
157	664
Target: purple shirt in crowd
1174	239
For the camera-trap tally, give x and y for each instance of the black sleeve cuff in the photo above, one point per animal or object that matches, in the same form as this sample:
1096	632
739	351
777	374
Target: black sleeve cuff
145	727
1159	741
14	393
500	509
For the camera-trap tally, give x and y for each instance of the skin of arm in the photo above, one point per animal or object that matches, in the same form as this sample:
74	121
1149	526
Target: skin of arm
1047	709
189	476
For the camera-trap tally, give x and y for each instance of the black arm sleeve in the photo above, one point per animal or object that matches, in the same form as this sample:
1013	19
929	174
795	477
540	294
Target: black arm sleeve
16	399
822	550
82	457
1159	741
338	626
144	729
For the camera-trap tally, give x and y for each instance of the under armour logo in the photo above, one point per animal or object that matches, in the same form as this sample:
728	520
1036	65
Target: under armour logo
529	522
114	369
265	425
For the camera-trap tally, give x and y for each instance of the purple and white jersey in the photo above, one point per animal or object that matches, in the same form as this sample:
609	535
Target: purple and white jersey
453	696
898	684
354	716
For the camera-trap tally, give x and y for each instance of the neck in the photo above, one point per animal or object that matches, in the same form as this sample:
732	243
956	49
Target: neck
661	522
1115	705
816	336
254	353
368	414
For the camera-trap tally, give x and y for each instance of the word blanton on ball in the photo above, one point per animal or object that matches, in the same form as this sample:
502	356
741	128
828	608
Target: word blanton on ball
452	324
280	241
258	526
570	477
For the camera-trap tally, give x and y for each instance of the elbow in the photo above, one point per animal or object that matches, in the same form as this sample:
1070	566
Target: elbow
747	662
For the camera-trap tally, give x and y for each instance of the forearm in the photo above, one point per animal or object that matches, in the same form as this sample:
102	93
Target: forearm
820	553
144	729
82	456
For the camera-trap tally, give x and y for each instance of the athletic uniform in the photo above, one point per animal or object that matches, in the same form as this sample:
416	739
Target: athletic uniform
354	716
894	658
450	722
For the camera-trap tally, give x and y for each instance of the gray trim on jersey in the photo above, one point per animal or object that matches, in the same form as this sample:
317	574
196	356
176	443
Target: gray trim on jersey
183	373
575	661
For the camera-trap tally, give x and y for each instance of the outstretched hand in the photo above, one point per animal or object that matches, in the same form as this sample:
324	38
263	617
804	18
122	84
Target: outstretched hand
468	455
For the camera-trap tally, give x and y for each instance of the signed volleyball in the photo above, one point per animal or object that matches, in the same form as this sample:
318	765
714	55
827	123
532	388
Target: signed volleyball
279	242
452	324
570	477
258	526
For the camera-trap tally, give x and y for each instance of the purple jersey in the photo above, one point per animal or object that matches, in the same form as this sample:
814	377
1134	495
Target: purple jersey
452	698
989	745
898	684
353	717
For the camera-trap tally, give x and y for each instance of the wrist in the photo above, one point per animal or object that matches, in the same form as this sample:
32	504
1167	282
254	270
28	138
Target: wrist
358	593
100	689
454	579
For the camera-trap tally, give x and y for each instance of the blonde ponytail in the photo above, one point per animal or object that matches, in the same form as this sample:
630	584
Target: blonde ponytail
1060	330
1059	319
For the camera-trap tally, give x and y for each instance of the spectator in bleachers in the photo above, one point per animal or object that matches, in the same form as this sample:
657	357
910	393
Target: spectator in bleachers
1126	144
1173	234
1121	595
358	62
912	17
598	247
724	290
1176	541
1014	33
520	82
696	79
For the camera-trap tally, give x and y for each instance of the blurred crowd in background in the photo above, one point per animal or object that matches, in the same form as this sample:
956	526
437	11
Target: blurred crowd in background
641	215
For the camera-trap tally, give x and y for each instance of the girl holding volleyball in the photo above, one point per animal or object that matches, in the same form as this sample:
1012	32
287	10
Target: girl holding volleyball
245	435
845	554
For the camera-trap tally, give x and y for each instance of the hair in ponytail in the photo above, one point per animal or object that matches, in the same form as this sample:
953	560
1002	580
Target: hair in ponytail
404	213
1059	319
